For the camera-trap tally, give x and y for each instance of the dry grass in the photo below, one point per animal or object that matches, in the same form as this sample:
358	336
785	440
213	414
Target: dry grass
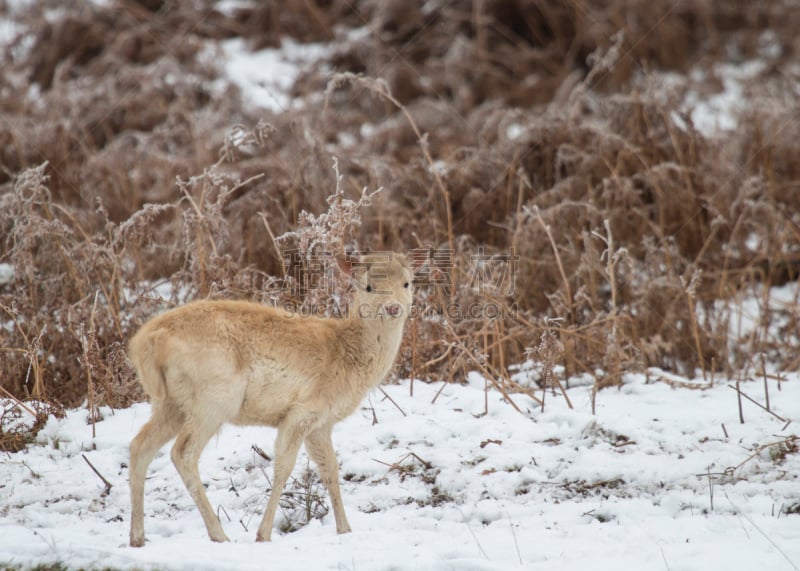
536	152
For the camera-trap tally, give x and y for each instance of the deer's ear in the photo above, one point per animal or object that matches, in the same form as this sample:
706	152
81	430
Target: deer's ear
420	259
345	263
401	259
352	264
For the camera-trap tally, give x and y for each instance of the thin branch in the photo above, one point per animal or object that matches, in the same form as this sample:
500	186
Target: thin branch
759	450
755	402
260	452
19	402
99	475
274	242
560	265
391	400
483	369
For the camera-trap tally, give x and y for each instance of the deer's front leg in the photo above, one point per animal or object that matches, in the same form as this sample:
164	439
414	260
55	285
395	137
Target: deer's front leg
320	447
291	433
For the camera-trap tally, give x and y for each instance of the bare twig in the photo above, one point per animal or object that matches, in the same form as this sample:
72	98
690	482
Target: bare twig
755	402
766	386
710	489
691	293
413	357
438	359
436	396
99	475
274	242
559	263
260	452
19	402
482	369
739	401
790	440
391	400
398	464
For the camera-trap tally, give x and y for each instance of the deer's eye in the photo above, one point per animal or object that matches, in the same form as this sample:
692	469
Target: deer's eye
369	288
405	285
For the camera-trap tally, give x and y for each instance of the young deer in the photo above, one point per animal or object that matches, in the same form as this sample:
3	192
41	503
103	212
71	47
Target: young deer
212	362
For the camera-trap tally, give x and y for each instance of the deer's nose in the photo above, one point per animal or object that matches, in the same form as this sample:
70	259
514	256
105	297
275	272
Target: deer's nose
393	309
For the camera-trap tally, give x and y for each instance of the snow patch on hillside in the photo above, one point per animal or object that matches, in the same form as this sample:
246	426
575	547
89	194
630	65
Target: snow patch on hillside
266	76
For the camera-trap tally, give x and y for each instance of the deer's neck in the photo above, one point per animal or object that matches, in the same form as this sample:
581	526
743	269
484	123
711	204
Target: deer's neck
379	341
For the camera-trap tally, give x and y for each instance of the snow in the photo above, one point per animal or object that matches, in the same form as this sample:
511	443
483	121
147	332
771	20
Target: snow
266	76
11	28
514	131
758	313
628	488
6	274
230	7
717	113
8	31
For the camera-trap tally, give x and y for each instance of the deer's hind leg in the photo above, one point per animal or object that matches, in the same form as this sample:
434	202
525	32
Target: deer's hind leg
192	439
162	427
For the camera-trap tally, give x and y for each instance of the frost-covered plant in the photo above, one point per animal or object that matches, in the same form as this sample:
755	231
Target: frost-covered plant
302	500
310	250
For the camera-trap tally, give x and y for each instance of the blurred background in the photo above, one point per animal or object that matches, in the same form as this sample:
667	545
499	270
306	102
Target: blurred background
611	186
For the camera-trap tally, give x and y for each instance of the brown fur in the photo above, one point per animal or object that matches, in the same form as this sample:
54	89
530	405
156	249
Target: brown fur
212	362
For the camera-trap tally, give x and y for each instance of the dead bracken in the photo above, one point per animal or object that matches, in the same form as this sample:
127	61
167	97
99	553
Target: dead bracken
542	155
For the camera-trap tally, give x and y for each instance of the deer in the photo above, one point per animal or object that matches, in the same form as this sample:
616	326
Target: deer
208	363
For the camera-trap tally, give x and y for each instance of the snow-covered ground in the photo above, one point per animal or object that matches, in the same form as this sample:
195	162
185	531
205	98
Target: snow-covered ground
659	478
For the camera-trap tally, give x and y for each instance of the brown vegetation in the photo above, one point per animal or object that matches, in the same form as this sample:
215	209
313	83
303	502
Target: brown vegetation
553	130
